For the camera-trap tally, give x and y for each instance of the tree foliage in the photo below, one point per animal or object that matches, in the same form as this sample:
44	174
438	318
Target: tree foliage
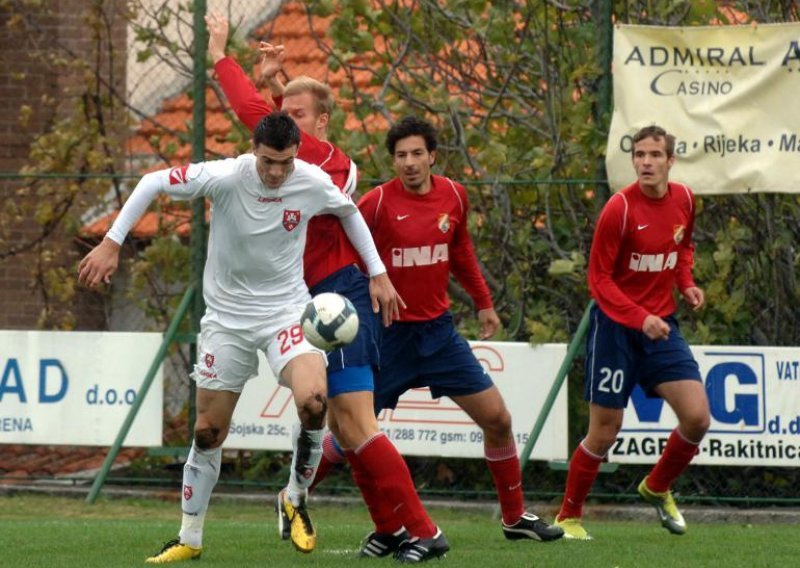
514	89
82	137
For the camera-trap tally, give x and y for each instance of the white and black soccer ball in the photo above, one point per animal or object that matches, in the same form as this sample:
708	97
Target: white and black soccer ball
329	321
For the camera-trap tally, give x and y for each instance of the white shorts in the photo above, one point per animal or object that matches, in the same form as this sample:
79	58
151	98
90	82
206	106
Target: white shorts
227	351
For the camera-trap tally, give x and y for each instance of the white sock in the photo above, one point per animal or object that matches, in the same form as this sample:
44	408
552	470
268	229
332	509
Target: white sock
307	454
200	475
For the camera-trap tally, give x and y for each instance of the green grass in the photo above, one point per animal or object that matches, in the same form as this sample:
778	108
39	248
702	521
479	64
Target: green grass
38	531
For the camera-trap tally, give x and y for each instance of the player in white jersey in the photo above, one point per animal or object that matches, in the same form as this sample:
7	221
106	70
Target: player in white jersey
254	292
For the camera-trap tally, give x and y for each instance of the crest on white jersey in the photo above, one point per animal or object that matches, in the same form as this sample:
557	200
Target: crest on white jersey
291	218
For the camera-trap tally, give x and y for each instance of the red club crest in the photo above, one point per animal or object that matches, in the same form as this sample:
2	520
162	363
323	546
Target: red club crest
187	492
177	176
209	360
678	232
443	222
291	218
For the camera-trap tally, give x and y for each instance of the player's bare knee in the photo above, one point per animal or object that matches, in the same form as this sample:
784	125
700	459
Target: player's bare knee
600	439
312	411
208	438
499	426
503	422
695	427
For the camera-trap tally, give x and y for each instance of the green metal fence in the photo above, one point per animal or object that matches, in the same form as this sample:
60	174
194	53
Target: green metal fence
546	223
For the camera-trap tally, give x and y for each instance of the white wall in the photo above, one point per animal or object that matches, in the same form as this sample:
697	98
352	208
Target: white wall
152	81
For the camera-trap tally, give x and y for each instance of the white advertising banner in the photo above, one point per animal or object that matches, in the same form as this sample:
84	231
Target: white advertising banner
728	93
76	388
754	397
422	426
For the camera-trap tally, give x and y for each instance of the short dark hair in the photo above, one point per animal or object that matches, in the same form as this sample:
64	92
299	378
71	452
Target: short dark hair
277	130
411	126
656	133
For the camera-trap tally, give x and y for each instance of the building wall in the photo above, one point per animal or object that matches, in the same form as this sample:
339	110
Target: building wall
29	36
154	80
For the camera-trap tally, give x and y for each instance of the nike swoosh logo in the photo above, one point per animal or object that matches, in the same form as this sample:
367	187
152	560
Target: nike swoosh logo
401	217
640	227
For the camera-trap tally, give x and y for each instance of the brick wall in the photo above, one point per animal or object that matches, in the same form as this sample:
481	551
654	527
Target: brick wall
26	34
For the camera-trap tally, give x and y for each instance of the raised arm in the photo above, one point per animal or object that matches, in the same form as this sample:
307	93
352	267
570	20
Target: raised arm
217	36
242	94
181	182
100	264
269	65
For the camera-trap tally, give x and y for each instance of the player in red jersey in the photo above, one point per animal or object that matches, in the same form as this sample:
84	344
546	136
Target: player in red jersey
419	223
330	266
642	249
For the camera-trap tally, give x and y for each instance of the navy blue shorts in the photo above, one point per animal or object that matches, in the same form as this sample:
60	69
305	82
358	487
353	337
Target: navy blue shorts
618	358
426	354
350	367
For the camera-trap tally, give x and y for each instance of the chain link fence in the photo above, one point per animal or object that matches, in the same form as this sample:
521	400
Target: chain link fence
532	237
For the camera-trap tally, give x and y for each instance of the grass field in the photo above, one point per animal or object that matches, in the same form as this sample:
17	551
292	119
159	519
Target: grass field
37	531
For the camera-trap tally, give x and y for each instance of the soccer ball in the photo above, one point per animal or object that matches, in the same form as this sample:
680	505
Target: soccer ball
329	321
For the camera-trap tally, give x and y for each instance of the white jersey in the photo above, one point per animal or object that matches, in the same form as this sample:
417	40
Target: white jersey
257	234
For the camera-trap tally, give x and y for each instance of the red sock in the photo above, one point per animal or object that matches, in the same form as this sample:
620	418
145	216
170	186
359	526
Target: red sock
583	469
675	459
379	509
507	476
331	455
388	469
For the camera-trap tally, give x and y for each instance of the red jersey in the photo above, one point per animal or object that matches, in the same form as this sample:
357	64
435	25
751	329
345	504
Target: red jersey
421	239
642	249
327	247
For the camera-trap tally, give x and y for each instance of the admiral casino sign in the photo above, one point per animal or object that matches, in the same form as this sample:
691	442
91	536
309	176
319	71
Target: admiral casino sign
723	91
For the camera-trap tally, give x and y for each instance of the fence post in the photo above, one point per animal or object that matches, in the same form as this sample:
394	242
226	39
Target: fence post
198	234
572	350
137	403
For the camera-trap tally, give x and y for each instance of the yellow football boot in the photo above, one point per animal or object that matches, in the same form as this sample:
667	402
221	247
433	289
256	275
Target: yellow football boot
174	551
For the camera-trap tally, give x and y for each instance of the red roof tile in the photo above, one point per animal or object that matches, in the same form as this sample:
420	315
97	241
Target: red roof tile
159	136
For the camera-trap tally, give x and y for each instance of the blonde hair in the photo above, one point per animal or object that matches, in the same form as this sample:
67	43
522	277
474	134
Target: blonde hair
323	96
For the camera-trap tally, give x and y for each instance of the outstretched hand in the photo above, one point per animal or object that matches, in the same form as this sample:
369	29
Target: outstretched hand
271	61
217	35
385	298
99	265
